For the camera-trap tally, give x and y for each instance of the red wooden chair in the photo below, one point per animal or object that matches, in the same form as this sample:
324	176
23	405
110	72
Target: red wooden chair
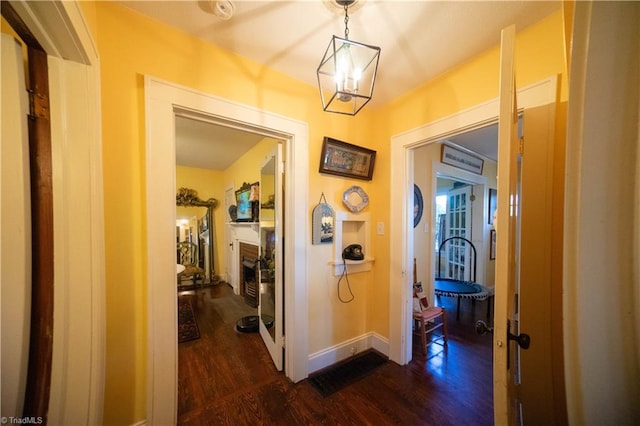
429	318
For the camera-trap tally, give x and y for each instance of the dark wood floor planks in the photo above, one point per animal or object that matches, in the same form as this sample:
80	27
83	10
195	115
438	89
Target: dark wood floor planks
227	378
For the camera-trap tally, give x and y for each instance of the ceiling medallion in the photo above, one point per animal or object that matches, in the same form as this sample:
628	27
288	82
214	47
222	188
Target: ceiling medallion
223	9
337	6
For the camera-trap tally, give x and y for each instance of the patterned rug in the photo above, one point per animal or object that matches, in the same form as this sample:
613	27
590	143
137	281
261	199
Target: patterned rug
334	378
187	324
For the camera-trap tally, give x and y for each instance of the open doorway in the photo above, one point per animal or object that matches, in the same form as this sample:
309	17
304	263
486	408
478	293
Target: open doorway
163	100
455	206
229	197
462	210
401	230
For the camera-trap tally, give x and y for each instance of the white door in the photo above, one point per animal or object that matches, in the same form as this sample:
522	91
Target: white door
15	228
540	389
506	239
272	262
231	276
526	304
458	224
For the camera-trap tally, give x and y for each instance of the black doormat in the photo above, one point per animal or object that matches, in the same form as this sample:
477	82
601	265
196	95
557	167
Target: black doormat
187	324
332	379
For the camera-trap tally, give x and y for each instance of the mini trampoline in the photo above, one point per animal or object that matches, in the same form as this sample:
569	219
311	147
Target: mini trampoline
460	289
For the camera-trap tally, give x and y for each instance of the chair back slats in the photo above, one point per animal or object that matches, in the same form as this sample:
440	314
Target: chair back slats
187	253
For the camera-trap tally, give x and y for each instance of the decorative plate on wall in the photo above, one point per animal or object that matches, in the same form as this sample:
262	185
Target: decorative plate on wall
355	198
418	205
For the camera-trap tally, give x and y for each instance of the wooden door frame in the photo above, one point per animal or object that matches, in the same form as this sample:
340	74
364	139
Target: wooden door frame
75	150
36	399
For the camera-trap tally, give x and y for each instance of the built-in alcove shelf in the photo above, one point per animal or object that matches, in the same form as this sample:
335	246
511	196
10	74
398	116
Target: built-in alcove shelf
351	229
353	266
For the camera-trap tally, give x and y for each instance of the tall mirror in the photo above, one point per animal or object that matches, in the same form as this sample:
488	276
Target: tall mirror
268	245
195	238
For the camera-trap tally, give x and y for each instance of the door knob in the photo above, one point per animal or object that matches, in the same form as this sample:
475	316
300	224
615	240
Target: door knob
483	328
523	340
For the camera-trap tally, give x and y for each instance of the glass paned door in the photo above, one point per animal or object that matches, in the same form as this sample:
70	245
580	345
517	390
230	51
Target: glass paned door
458	225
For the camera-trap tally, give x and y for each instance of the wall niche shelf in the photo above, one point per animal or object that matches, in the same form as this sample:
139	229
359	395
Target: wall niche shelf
351	229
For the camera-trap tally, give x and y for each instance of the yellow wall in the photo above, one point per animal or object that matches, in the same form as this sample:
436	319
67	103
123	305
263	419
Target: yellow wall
539	54
131	46
247	168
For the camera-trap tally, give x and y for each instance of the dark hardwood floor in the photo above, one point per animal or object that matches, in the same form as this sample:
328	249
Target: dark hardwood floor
227	378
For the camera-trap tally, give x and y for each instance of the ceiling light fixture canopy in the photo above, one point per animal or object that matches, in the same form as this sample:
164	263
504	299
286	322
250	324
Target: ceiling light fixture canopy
347	72
223	9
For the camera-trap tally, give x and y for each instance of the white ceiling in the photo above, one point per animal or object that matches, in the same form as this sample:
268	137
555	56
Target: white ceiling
419	39
210	146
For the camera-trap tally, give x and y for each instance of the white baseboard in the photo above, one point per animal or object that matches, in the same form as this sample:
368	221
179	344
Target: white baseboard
326	357
140	423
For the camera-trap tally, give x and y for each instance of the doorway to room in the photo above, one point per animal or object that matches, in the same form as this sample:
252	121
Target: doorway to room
163	100
245	251
462	211
454	204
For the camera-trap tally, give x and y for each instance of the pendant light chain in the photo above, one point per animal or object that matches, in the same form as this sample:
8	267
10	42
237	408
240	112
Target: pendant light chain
346	22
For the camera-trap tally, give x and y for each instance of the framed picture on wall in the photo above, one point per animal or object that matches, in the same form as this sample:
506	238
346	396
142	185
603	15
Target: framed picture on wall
493	205
461	159
344	159
243	204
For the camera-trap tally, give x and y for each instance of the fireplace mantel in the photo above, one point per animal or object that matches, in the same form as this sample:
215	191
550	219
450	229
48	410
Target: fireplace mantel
245	231
240	232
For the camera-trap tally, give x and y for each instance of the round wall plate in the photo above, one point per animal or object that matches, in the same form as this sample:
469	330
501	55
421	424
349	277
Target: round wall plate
355	198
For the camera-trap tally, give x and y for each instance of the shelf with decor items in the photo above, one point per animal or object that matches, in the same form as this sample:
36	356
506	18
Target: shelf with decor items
351	229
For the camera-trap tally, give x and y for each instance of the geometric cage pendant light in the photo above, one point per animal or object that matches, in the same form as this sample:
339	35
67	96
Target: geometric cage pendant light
347	72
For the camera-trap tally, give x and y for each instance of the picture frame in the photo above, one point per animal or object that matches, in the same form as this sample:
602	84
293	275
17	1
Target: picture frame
461	159
492	205
245	205
323	220
344	159
492	244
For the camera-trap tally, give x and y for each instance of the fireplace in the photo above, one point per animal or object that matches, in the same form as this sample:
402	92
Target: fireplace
248	258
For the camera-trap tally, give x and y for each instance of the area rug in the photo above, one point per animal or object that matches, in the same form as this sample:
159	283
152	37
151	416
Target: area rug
332	379
187	324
